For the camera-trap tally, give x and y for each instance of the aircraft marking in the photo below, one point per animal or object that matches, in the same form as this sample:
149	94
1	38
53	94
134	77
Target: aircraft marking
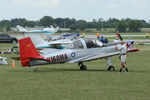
58	58
73	54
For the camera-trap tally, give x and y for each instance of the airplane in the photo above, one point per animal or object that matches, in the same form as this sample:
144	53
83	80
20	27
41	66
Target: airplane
49	30
79	51
39	43
66	36
3	60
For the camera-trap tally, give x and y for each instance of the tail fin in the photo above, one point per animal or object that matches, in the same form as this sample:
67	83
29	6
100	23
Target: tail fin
28	51
21	29
36	39
51	27
56	29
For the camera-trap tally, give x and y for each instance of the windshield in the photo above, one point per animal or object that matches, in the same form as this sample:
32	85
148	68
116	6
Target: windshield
88	42
93	44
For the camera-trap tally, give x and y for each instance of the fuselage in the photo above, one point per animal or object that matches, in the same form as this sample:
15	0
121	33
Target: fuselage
74	54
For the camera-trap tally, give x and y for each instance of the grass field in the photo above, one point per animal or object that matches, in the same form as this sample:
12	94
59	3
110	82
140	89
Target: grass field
67	82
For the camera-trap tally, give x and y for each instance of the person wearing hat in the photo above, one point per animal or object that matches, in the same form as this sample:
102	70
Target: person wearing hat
122	48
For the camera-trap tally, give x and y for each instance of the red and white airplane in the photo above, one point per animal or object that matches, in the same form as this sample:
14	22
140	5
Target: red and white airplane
80	51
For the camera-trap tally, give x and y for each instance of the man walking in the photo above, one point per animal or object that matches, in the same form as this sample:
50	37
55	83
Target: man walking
123	51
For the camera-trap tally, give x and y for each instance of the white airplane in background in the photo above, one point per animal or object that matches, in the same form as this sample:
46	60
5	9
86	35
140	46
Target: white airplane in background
48	30
36	37
39	43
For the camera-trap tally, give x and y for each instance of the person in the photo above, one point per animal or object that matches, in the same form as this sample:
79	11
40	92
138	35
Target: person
116	40
147	35
98	36
83	35
102	39
122	48
130	43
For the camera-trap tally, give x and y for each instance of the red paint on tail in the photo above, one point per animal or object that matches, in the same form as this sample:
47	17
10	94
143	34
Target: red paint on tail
28	51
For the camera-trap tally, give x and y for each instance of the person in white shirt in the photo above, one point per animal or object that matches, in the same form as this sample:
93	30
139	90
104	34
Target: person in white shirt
122	48
116	40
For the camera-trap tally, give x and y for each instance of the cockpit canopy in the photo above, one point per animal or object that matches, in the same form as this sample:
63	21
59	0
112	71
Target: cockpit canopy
85	43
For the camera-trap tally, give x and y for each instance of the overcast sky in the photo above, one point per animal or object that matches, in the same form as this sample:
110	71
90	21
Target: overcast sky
78	9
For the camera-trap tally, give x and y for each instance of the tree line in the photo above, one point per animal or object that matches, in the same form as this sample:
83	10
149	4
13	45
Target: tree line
123	25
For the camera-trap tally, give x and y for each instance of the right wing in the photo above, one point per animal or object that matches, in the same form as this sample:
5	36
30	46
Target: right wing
94	56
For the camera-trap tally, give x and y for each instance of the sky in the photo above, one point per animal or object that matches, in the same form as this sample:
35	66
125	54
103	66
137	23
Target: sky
78	9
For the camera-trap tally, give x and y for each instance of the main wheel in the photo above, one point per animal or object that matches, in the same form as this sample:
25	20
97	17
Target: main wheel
111	68
83	67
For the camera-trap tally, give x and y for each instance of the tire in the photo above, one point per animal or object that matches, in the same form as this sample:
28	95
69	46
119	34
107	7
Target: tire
13	41
83	67
111	68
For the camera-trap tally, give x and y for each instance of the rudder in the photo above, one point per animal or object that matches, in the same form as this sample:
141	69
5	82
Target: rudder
28	51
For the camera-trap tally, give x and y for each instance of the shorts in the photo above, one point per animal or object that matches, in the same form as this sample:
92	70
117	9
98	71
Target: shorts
123	58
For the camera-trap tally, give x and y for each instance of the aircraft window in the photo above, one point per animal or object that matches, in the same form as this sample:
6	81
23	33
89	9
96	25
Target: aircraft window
93	44
99	43
78	44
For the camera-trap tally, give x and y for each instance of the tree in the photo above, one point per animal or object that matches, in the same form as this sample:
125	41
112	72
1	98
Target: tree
121	26
4	23
8	28
73	27
59	22
135	25
19	21
46	21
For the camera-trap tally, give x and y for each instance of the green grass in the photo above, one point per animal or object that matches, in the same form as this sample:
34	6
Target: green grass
67	82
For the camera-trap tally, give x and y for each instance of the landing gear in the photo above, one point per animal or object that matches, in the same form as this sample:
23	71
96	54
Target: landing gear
109	64
111	68
82	66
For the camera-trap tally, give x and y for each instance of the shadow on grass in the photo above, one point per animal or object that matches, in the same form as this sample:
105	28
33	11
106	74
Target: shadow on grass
58	70
43	70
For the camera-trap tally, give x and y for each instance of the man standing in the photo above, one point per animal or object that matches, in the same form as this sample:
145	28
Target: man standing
83	35
98	36
123	51
147	35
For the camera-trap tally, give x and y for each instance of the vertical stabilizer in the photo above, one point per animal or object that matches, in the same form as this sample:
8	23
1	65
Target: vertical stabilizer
28	51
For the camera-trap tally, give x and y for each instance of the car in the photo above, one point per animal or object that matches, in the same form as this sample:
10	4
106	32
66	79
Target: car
5	38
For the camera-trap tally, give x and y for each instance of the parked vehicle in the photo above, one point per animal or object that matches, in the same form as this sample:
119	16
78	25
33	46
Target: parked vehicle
5	38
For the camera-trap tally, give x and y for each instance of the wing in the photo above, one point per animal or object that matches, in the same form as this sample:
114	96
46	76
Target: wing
94	56
60	42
